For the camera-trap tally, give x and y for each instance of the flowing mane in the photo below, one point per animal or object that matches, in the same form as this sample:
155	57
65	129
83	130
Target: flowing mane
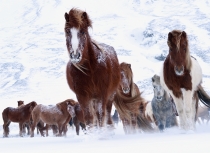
128	101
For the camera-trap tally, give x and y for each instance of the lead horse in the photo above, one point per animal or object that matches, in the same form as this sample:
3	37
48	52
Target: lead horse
92	72
181	77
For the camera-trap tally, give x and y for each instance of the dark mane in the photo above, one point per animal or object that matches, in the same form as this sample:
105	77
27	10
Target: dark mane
176	38
77	19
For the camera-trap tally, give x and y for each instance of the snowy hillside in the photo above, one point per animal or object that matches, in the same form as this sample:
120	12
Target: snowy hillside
34	55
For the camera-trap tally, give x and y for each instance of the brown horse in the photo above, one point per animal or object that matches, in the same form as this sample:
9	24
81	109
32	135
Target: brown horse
40	125
58	115
26	125
181	77
93	72
20	115
128	101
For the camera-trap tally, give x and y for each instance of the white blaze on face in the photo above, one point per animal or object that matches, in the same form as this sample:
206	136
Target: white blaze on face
74	39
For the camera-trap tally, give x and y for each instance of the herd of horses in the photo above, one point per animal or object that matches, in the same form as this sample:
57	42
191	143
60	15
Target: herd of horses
99	81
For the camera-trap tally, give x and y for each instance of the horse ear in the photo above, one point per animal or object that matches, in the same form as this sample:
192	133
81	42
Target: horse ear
184	34
170	36
86	19
129	65
153	80
66	17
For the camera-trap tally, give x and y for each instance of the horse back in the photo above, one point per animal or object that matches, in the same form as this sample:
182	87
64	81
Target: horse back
15	114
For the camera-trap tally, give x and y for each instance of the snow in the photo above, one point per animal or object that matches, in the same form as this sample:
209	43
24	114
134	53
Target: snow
34	57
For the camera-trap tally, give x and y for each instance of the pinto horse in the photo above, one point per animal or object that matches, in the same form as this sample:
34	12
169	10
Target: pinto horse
92	72
128	101
181	77
20	115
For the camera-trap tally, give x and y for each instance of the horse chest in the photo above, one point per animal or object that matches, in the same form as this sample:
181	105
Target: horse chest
176	83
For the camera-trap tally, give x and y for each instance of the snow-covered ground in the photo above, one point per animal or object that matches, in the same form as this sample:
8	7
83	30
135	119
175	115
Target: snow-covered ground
34	56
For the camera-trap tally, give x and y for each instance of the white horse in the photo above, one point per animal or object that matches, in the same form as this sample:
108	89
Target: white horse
181	77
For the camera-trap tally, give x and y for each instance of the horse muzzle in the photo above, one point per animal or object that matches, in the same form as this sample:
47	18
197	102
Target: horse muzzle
126	90
75	58
179	70
159	98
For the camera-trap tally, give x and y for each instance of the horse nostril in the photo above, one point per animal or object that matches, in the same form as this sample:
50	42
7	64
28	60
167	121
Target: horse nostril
71	55
78	55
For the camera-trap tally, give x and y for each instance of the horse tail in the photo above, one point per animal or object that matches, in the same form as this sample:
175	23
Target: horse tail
144	124
5	114
203	96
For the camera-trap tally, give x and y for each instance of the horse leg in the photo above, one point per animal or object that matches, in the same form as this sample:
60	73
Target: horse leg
133	122
47	128
34	124
21	126
6	128
76	124
108	111
189	109
125	123
60	128
180	110
100	112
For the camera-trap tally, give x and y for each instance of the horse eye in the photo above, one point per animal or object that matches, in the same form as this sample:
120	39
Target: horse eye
67	31
82	32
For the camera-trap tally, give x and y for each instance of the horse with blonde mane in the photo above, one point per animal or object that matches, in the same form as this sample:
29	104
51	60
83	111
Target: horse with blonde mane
129	103
92	72
181	77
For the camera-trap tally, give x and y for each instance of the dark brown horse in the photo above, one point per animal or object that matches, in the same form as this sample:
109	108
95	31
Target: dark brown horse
57	115
92	72
20	115
26	125
181	77
129	102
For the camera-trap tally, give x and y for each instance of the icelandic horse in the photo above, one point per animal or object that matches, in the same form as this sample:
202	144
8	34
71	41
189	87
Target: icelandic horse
58	115
21	115
129	103
181	77
92	72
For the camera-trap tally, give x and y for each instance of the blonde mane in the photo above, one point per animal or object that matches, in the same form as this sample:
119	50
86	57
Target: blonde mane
127	105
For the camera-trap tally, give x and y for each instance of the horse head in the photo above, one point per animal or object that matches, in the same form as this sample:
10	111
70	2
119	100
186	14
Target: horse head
158	89
178	51
71	107
126	77
32	105
20	102
76	32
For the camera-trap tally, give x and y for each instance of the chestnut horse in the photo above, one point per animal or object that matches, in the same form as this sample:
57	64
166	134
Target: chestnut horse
92	72
58	115
20	115
128	101
181	77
